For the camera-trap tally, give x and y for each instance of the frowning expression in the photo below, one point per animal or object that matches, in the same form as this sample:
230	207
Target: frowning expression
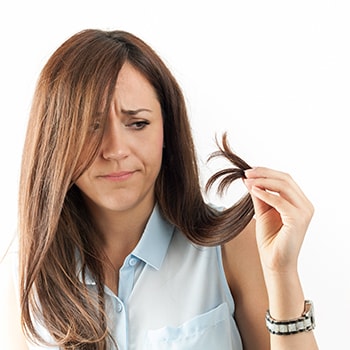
123	175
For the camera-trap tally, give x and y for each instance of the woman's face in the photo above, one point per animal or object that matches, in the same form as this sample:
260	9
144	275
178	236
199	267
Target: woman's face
123	175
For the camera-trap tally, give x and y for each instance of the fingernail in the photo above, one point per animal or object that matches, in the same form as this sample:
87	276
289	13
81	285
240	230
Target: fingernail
248	171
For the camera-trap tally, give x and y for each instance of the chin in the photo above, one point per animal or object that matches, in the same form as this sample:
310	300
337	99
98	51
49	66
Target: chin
128	204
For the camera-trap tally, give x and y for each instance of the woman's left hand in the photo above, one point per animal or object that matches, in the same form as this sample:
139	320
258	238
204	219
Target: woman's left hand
282	214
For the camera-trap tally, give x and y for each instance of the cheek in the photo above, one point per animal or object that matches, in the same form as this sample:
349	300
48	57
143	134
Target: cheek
153	154
160	144
156	142
82	184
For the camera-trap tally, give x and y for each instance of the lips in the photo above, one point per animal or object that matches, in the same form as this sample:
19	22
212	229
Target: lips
118	176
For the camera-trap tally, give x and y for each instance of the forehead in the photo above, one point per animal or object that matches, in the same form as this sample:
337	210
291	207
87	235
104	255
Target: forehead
131	78
132	87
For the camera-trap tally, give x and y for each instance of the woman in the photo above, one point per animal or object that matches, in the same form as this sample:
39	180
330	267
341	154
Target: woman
118	249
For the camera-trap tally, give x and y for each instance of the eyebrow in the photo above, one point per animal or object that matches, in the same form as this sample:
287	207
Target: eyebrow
135	111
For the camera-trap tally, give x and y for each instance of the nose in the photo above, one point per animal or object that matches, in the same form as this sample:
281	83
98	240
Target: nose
115	141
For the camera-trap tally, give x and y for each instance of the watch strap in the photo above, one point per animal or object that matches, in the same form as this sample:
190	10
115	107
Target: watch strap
305	323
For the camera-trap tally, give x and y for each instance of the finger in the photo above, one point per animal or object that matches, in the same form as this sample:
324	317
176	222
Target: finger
286	180
260	206
264	172
261	172
285	189
272	200
290	214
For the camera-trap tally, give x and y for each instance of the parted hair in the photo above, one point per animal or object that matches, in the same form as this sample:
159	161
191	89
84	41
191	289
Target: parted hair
58	240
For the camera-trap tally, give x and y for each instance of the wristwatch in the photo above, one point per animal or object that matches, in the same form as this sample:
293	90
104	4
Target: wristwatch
305	323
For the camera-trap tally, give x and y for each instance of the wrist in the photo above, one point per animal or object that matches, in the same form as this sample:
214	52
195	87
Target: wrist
281	277
278	269
285	295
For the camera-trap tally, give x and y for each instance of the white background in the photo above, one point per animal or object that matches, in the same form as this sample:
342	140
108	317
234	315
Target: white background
274	74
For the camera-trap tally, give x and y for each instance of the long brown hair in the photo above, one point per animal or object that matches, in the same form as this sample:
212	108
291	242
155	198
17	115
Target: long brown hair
58	242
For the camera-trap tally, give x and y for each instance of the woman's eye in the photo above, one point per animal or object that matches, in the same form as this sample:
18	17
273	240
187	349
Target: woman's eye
139	125
96	126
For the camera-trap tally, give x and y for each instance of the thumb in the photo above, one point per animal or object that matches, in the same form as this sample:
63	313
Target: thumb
260	207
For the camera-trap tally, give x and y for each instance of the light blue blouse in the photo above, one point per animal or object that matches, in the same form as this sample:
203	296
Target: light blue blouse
172	295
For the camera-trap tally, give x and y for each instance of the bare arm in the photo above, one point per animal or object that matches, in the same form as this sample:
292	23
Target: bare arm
11	334
245	277
261	263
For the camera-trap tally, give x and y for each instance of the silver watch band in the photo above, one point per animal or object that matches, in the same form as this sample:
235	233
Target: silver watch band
305	323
